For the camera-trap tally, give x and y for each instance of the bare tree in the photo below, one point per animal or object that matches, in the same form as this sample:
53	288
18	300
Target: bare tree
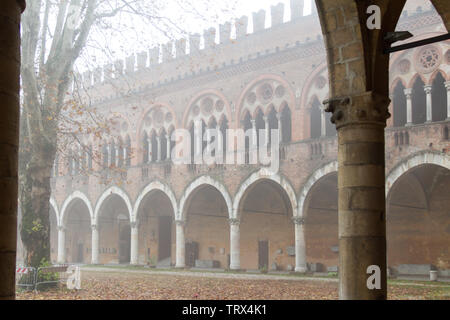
54	35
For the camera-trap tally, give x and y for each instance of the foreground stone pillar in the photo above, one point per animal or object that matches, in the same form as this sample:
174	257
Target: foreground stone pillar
134	243
61	244
300	249
360	122
235	252
95	242
10	11
180	244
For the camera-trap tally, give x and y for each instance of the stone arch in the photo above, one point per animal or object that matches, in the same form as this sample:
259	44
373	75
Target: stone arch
414	161
316	176
201	181
289	96
217	114
263	174
76	195
110	191
54	205
153	186
434	75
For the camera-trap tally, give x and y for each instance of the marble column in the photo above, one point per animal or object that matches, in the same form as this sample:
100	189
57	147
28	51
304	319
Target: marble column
235	260
180	244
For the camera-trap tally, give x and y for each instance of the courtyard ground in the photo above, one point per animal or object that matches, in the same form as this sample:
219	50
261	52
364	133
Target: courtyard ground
113	283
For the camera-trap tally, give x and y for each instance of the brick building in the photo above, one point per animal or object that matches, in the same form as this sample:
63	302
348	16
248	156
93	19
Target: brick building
137	206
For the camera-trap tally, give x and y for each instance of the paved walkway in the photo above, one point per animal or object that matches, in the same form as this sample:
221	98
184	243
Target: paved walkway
224	275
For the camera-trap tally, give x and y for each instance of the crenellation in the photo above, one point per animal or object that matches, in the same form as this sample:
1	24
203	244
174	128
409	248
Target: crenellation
296	9
154	55
180	47
194	43
277	14
241	27
167	50
129	64
108	72
142	60
97	75
118	68
225	32
259	20
210	38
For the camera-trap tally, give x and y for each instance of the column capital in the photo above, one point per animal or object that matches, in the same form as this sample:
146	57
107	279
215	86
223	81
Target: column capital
447	85
61	228
94	227
134	224
180	223
234	222
408	92
365	108
298	220
22	5
427	89
279	116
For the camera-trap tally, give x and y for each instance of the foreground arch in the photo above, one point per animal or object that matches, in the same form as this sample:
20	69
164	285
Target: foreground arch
414	161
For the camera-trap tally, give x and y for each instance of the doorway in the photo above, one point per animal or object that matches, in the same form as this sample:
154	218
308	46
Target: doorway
263	254
164	237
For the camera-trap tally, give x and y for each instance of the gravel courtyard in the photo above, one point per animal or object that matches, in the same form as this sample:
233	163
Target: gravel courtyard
115	283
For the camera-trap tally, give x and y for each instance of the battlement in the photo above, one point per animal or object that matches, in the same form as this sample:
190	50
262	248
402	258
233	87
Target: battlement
181	58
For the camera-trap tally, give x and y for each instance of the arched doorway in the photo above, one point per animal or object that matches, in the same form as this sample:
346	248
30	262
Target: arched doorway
207	236
155	216
266	229
418	217
77	221
321	224
113	223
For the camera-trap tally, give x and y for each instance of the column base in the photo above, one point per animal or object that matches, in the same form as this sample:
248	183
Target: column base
235	268
409	124
301	269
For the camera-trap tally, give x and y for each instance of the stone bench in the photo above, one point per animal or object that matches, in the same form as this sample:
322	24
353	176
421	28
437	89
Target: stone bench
414	269
207	264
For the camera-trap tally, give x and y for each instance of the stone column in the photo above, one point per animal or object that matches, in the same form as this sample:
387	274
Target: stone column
220	156
180	242
124	155
10	11
108	155
134	244
360	121
253	148
429	103
235	252
300	248
323	123
61	244
95	242
280	129
158	148
149	142
266	129
117	150
168	146
447	86
198	144
408	94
